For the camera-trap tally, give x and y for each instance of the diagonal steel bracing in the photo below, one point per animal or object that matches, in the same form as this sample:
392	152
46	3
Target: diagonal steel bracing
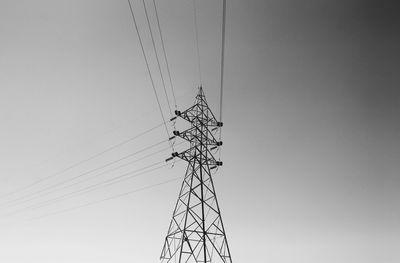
196	232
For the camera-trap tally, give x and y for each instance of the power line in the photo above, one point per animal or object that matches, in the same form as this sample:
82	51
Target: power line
148	67
91	188
111	170
37	193
165	53
222	69
109	198
197	38
222	59
83	161
91	177
156	53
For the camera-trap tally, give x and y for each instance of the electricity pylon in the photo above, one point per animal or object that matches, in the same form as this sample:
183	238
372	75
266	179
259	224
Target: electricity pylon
196	232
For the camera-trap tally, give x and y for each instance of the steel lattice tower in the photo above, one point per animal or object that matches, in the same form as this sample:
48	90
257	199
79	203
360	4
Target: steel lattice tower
196	232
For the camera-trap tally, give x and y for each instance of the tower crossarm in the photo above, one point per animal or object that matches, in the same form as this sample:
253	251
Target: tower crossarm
196	134
191	115
192	153
196	233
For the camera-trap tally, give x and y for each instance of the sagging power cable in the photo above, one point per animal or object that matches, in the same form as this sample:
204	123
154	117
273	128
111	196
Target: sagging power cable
156	53
165	53
82	161
117	179
50	189
109	198
148	67
197	39
222	58
222	69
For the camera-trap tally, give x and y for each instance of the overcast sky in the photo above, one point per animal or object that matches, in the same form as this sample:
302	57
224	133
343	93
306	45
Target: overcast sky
311	127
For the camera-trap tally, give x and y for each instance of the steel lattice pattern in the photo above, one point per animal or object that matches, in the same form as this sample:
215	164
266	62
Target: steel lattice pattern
196	232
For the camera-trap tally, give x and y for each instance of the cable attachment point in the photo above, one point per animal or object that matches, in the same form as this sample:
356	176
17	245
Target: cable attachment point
174	154
219	143
176	133
220	124
218	163
178	113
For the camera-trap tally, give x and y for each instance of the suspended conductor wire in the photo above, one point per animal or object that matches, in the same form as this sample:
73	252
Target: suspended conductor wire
34	195
37	194
165	53
109	198
83	161
96	175
91	188
222	59
222	69
156	53
197	39
148	67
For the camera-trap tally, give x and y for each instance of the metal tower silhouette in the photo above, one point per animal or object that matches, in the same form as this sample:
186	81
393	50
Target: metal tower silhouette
196	232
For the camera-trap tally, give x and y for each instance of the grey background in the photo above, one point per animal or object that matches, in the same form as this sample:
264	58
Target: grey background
311	126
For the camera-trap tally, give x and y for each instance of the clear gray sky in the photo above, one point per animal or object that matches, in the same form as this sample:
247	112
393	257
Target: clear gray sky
311	127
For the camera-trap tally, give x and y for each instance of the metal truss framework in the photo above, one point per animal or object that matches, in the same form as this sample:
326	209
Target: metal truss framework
196	232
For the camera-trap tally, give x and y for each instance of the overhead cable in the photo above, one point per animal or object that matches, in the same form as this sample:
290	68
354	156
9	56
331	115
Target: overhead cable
148	67
222	69
83	161
222	58
197	39
91	188
110	198
156	53
37	194
165	53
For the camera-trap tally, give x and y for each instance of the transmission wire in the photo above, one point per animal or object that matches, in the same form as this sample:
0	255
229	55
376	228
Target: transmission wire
111	170
222	59
197	39
96	175
222	69
82	161
156	53
109	198
165	53
148	68
91	188
35	194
